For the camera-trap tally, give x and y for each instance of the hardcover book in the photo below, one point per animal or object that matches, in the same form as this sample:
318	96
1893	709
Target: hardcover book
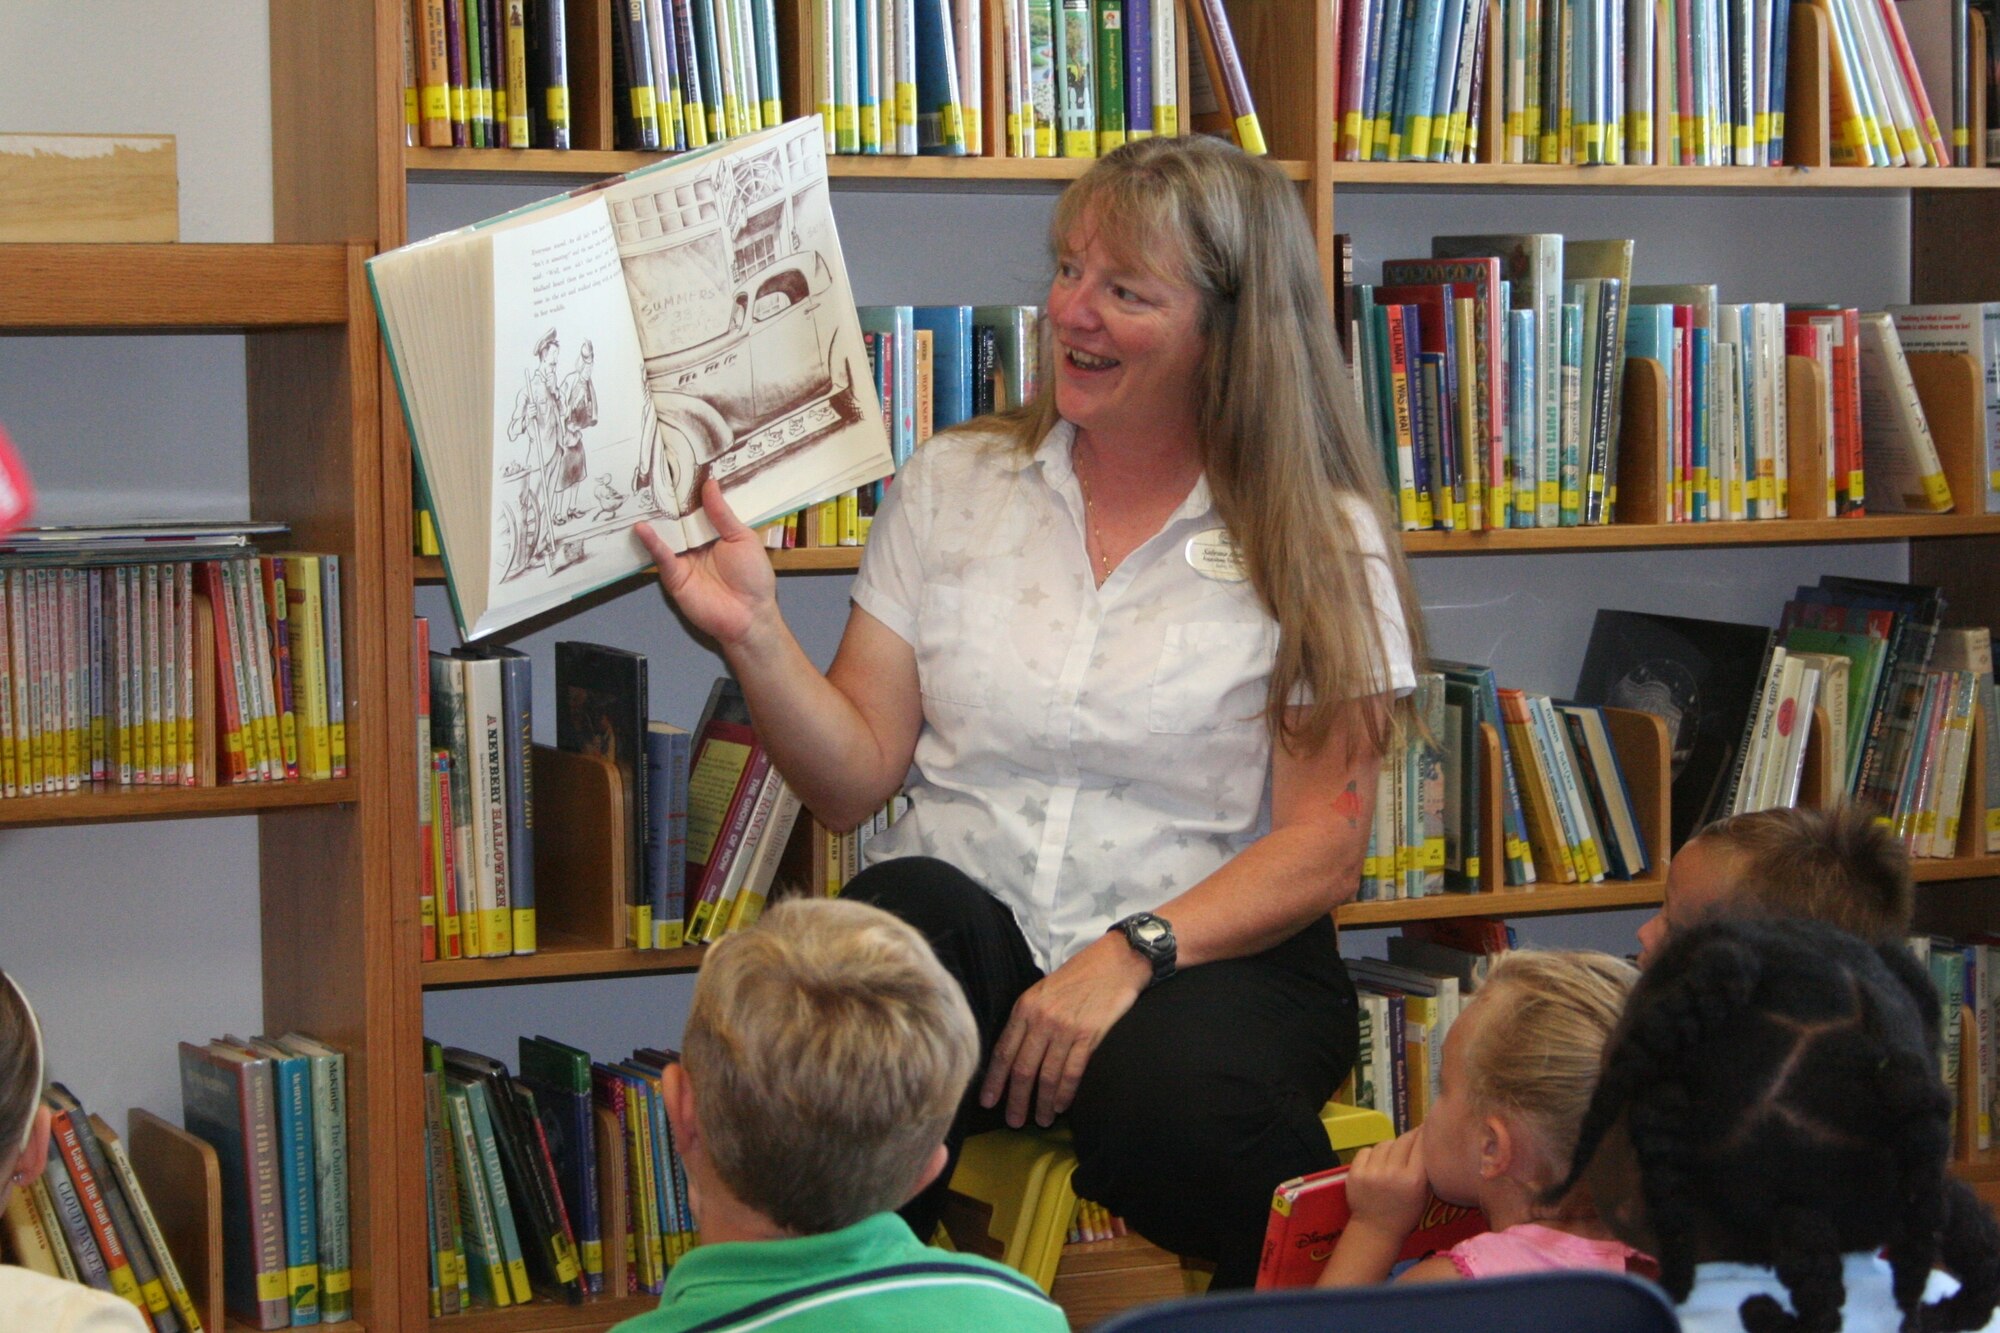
1698	676
574	367
1308	1213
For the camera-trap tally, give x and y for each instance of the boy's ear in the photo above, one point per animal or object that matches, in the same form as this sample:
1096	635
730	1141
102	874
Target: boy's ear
678	1094
1497	1149
932	1170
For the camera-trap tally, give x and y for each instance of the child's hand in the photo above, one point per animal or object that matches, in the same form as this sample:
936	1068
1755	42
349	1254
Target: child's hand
1387	1185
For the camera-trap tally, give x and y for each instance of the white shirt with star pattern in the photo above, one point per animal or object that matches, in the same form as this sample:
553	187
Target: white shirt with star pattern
1086	752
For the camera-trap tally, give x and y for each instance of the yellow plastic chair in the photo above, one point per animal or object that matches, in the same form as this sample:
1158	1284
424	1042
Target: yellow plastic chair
1024	1177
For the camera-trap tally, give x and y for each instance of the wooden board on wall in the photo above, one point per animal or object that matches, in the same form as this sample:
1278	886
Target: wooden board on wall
89	187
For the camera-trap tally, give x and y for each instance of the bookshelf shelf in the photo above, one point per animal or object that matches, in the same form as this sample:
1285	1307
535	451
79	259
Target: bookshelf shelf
1938	870
1537	901
546	1316
559	959
1680	180
1639	536
170	288
99	807
431	165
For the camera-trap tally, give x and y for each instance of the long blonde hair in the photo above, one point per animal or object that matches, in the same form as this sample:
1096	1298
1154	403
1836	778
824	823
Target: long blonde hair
1281	435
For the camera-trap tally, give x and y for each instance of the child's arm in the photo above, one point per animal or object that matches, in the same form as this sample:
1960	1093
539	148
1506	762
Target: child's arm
1386	1190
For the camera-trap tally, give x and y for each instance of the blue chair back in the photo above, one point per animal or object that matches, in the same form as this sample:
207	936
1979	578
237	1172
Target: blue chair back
1570	1302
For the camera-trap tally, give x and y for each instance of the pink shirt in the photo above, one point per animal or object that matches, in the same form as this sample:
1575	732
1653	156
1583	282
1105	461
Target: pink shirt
1533	1248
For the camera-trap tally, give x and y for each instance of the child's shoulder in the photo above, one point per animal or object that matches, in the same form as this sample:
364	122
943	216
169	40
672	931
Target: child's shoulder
1532	1247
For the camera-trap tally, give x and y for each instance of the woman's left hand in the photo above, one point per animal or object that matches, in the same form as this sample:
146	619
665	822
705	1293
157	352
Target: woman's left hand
1057	1024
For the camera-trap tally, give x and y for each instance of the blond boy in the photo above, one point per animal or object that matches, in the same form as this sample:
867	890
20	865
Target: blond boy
826	1052
1838	866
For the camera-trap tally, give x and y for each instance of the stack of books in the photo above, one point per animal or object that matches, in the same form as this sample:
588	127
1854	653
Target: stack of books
166	655
275	1111
86	1219
489	74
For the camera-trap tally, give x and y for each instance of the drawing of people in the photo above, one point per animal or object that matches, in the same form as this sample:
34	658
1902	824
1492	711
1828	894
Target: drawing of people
579	410
537	416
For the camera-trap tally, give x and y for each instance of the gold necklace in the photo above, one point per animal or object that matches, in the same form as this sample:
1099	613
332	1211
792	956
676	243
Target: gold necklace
1089	524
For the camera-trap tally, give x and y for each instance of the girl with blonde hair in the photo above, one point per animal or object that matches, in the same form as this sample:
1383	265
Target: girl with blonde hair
1520	1065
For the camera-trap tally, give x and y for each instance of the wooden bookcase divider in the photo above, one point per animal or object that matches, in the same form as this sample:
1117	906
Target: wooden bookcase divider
183	1185
581	850
1948	385
1808	438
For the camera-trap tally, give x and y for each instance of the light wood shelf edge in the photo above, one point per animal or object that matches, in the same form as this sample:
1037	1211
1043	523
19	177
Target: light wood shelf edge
546	1316
559	960
170	287
1530	901
173	802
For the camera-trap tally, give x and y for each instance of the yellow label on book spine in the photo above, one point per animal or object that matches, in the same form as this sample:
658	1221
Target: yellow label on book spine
494	931
667	933
517	1274
338	1281
1472	867
556	105
1517	850
1420	137
524	930
644	107
1548	492
1937	490
1432	854
1109	141
906	105
1167	119
271	1285
437	103
639	927
968	128
1045	140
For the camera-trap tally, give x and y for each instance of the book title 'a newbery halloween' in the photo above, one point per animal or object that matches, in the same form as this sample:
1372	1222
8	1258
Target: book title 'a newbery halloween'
589	361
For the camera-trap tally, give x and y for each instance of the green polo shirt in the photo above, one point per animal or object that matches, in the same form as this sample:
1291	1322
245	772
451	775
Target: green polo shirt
872	1277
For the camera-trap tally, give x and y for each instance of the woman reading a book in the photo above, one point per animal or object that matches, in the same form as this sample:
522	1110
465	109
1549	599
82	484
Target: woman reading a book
28	1299
1142	640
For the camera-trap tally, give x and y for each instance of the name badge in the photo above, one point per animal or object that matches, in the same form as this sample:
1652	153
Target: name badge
1214	555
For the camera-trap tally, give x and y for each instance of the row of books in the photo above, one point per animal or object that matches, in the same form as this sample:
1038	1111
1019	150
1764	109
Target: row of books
275	1111
1491	377
168	673
86	1219
933	367
1407	1004
486	74
688	73
1567	815
1688	82
475	714
561	1183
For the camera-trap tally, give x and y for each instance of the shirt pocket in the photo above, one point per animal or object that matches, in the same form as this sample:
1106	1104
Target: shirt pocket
1212	676
955	631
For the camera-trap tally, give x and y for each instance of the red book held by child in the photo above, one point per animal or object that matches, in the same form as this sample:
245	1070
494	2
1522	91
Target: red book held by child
1308	1213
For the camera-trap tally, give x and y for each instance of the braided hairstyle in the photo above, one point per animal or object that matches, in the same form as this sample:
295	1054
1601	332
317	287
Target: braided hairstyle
1778	1080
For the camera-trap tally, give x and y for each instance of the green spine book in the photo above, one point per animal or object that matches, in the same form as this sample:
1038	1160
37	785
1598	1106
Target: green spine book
1111	75
1076	78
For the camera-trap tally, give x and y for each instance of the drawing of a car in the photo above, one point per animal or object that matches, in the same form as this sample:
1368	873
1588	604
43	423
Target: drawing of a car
771	380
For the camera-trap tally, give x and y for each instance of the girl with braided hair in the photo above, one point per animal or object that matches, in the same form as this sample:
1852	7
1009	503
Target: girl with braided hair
31	1300
1771	1127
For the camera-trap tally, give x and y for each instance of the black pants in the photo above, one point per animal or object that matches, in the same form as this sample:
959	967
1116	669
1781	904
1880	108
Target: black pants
1199	1101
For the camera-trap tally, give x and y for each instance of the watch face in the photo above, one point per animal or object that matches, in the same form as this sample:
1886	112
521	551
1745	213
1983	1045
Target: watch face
1151	931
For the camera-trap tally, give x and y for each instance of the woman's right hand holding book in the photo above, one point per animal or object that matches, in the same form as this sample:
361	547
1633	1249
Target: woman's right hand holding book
726	588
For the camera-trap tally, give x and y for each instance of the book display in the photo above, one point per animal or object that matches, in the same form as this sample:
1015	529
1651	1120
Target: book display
343	173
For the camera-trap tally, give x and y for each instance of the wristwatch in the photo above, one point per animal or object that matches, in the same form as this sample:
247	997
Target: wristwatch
1152	939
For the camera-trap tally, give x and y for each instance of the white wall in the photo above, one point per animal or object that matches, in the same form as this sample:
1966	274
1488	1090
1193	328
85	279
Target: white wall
131	937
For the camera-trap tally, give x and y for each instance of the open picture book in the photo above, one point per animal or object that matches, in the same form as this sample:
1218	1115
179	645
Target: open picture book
588	361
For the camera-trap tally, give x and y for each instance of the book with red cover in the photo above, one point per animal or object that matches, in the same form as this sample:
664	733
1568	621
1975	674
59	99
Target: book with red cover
1308	1213
725	775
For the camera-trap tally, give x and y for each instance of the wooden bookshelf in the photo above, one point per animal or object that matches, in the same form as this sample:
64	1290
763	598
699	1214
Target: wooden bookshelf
560	958
341	173
170	288
131	803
